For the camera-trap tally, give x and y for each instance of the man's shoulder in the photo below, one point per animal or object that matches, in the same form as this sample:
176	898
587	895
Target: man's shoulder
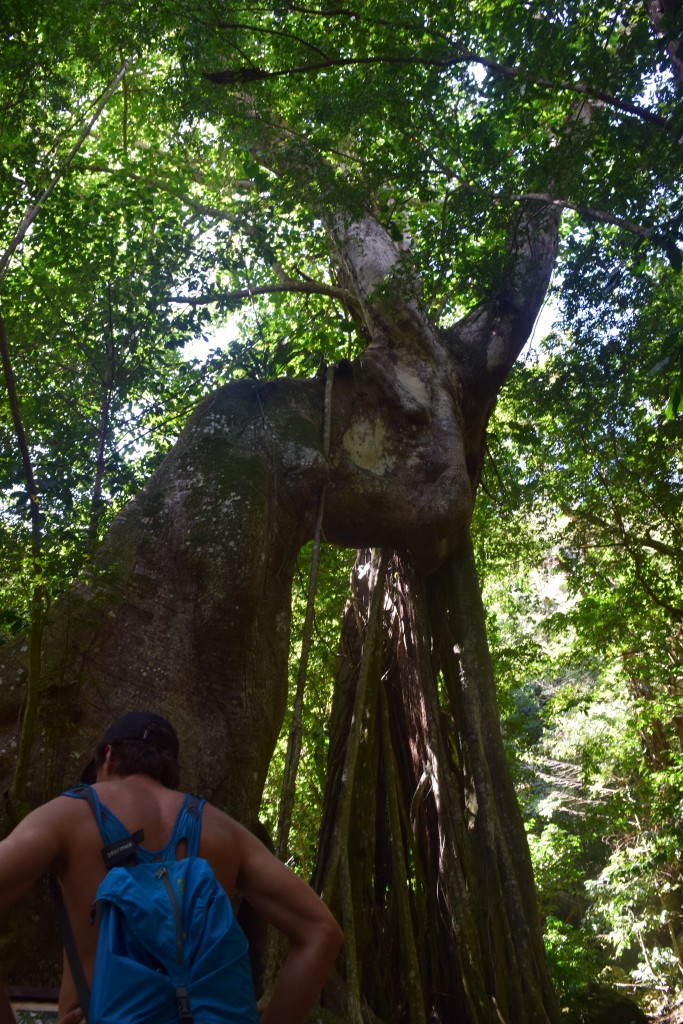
60	808
47	832
216	820
222	845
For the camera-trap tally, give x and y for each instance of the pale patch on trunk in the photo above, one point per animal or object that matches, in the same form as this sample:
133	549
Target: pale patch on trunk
364	442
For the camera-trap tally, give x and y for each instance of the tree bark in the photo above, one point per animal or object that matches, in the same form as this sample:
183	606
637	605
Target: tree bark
187	608
664	18
511	932
453	848
187	605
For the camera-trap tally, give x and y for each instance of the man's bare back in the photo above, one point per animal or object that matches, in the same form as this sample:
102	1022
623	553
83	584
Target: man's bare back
63	832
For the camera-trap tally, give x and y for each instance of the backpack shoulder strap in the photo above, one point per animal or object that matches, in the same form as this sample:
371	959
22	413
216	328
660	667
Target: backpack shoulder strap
119	852
115	852
192	808
82	988
69	945
89	795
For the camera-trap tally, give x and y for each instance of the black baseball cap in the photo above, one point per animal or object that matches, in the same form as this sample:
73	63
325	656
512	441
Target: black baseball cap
138	725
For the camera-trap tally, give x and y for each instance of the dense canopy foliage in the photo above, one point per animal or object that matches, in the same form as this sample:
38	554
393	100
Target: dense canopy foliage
169	176
441	119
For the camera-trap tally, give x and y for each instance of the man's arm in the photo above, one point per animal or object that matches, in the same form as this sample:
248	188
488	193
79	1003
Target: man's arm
28	851
25	855
293	908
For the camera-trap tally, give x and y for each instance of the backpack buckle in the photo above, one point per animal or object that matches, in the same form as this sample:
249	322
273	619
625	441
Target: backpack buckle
184	1010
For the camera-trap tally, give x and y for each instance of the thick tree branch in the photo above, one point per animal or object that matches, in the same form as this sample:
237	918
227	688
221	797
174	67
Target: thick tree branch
243	76
590	212
648	541
488	340
235	297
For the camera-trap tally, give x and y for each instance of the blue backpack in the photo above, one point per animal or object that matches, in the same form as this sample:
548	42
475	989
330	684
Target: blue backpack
169	948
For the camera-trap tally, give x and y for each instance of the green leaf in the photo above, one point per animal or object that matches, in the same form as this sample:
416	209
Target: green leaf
675	403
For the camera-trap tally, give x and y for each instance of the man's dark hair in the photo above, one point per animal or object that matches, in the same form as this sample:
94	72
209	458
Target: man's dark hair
133	757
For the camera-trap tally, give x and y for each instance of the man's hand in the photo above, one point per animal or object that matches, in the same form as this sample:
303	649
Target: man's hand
73	1017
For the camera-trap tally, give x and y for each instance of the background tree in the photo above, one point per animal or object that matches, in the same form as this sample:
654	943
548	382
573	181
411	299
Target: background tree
588	638
362	159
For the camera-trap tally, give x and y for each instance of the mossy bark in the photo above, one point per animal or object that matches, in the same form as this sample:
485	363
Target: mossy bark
186	609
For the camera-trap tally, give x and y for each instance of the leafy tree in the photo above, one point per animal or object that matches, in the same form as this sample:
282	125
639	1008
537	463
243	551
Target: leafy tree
592	697
380	190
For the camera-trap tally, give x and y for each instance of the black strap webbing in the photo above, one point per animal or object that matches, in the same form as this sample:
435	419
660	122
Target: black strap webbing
81	984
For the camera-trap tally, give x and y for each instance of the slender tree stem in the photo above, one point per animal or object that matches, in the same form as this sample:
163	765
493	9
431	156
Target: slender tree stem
105	424
303	287
18	804
34	210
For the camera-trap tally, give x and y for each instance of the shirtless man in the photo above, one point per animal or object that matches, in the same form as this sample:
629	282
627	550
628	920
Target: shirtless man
64	833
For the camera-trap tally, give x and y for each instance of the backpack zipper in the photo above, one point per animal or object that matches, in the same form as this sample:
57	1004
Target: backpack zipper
162	874
182	995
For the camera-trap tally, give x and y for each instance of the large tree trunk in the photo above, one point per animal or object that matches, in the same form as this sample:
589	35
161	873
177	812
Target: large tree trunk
434	834
186	609
187	606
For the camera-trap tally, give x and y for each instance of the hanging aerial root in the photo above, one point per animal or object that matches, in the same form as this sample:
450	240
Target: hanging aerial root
367	678
293	756
353	1009
409	957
